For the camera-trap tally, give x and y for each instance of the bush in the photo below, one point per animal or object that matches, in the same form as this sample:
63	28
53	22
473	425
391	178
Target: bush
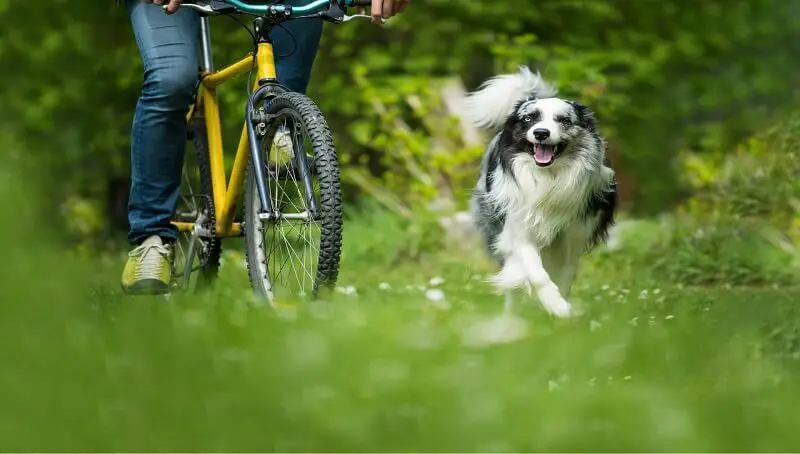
759	179
382	237
758	182
686	251
732	253
741	226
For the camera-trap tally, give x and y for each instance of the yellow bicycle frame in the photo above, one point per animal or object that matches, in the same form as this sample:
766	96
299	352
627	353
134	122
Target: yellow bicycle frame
226	191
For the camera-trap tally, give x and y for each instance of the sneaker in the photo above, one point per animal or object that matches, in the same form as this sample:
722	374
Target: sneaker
282	143
149	268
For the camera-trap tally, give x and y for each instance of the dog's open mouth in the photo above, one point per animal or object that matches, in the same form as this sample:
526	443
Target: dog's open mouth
544	154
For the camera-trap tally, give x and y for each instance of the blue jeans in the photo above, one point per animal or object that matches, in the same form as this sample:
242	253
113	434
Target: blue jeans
168	45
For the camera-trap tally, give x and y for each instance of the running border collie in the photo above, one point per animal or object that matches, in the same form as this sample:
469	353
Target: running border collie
546	193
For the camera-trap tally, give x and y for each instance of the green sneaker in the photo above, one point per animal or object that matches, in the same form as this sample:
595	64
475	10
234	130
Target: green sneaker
149	268
283	142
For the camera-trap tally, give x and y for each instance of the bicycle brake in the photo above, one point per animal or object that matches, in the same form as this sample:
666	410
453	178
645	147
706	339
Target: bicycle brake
335	14
207	7
360	16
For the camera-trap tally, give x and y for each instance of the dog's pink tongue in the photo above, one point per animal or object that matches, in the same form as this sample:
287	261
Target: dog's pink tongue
543	154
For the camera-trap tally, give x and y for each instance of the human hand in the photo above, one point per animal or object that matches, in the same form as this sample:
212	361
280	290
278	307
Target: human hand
384	9
172	5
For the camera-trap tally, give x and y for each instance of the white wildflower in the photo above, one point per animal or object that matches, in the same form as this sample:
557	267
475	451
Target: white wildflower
349	290
501	329
434	295
435	281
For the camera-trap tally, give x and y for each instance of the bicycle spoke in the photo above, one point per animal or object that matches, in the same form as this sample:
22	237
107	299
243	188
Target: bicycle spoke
287	264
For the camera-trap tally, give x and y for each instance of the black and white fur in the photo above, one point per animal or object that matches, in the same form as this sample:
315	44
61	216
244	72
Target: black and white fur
546	193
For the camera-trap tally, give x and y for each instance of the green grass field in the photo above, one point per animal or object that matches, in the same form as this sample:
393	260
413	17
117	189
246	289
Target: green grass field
386	364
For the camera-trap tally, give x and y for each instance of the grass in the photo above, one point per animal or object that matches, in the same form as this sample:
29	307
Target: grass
388	368
392	362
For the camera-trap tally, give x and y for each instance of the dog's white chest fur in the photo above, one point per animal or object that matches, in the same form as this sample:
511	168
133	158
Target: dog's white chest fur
544	204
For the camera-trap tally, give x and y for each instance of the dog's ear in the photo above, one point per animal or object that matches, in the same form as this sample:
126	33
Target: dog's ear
586	118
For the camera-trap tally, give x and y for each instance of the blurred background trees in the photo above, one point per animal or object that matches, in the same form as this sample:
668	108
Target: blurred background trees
677	85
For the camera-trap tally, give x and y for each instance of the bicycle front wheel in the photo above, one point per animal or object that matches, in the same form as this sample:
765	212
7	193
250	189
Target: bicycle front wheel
293	246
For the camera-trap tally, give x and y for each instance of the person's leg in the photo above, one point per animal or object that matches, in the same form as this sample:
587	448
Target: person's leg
168	47
295	45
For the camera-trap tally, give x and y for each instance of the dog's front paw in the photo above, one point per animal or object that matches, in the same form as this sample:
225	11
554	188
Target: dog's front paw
559	308
554	303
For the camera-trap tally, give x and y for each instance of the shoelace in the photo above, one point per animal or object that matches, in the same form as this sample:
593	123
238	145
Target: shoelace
283	141
149	260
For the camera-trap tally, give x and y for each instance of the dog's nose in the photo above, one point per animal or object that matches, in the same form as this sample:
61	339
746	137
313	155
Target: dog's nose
541	133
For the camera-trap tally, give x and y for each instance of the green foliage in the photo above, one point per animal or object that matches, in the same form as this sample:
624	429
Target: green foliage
740	226
757	179
666	75
732	253
657	76
680	250
385	238
756	182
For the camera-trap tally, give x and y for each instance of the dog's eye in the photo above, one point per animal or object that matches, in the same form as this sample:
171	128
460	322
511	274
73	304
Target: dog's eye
527	118
563	120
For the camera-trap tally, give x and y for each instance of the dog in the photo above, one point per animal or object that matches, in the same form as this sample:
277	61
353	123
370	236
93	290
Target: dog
546	193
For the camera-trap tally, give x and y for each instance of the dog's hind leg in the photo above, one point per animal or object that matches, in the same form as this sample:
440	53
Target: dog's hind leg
511	277
561	264
508	302
562	257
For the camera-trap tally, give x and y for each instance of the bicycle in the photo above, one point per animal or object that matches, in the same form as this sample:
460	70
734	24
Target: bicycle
263	171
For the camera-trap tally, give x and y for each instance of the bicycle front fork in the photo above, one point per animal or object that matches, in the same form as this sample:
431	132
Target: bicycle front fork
301	165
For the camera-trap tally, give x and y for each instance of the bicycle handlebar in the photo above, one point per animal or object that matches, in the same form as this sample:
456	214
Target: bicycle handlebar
215	7
316	6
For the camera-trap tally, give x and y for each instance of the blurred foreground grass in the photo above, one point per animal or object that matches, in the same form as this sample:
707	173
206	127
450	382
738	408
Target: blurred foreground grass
392	362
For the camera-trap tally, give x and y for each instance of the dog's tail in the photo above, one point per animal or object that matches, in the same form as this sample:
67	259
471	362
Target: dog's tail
490	105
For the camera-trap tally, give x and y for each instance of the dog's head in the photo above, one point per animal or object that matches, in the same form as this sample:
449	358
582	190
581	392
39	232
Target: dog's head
550	129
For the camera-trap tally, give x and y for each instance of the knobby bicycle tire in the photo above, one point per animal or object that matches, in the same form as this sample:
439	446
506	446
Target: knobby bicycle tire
325	168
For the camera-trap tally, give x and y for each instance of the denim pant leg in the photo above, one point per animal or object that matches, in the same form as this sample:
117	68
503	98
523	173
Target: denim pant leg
168	46
294	58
